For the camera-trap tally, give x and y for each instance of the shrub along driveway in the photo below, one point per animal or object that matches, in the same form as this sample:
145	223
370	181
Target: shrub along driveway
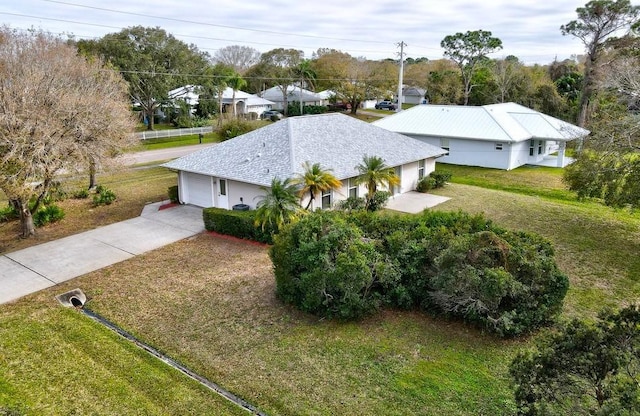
38	267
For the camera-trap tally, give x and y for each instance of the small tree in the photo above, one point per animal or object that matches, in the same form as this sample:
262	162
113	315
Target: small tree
468	50
314	179
373	172
582	369
279	204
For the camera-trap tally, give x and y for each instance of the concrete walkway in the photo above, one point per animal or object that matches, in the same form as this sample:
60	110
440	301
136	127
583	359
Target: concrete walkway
35	268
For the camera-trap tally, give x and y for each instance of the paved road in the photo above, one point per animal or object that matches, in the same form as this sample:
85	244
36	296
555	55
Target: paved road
149	156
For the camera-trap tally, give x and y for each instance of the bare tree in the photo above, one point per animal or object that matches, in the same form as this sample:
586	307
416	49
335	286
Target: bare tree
58	111
237	57
506	73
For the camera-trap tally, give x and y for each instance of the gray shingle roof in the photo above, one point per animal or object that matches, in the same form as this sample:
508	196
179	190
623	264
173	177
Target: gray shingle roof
508	122
335	141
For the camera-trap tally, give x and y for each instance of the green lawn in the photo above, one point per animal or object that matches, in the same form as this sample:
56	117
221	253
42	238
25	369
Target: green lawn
209	302
176	141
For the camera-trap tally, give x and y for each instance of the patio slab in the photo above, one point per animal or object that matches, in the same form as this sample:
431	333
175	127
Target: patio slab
414	202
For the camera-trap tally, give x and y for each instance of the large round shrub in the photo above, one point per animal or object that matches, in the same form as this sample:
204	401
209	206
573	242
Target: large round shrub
507	282
324	266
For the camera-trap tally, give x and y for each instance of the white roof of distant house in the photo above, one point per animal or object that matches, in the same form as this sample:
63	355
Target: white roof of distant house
506	122
293	94
326	94
335	140
414	91
250	99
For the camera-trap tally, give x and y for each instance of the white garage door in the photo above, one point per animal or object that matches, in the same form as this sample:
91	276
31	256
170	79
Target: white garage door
199	190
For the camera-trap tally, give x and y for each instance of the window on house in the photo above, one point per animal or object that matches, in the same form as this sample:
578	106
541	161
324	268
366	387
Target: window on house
421	169
540	147
398	188
326	199
532	146
444	143
498	146
353	188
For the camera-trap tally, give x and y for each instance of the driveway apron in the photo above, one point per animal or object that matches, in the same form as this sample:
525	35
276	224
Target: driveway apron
35	268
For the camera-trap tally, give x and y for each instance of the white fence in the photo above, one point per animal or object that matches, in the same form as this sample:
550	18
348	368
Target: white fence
156	134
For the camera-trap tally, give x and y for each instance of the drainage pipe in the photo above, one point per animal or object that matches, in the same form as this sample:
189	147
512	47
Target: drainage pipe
209	384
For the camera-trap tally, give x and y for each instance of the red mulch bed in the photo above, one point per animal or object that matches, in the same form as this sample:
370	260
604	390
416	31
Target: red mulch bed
232	238
169	205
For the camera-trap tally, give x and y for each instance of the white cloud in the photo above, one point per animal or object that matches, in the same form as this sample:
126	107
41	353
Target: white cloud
529	29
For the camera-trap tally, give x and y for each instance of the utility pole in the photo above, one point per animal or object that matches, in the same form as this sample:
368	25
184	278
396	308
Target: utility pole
401	45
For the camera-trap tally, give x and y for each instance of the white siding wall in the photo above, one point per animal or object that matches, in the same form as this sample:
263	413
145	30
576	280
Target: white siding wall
472	152
246	191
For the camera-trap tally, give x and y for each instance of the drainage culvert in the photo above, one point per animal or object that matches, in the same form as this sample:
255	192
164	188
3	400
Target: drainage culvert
77	299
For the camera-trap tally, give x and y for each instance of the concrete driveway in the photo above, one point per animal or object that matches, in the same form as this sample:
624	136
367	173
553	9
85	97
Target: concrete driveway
414	202
35	268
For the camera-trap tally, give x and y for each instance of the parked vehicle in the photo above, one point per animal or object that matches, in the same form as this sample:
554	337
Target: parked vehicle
339	106
271	114
386	105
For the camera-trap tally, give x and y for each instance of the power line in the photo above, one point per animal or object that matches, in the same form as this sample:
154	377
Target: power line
215	25
174	34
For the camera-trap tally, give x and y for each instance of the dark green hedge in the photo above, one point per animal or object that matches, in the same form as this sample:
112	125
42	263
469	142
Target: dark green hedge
173	194
346	265
239	224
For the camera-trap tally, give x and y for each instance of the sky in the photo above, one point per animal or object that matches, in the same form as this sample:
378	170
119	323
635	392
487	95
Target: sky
529	29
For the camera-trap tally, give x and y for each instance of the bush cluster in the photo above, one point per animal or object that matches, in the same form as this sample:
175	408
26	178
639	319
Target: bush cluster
436	179
293	109
239	224
346	265
8	213
81	194
48	214
103	196
235	127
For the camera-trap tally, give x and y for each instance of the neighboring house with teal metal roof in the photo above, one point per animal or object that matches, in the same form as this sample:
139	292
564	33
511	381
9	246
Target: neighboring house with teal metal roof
234	172
502	136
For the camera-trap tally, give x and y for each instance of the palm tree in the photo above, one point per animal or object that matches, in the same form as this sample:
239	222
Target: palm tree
236	82
279	204
306	74
373	172
315	180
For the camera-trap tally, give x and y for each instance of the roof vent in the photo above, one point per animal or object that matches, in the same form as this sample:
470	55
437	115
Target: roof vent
259	155
248	159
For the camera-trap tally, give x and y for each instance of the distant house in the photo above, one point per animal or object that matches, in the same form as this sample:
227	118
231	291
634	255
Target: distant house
245	103
234	171
501	136
187	93
293	94
413	95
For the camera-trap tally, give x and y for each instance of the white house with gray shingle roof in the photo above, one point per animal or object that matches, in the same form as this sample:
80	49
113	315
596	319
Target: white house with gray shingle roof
234	171
501	136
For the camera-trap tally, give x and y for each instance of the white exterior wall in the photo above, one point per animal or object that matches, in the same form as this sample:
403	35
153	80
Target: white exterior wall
367	104
412	99
472	152
245	193
248	192
258	109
